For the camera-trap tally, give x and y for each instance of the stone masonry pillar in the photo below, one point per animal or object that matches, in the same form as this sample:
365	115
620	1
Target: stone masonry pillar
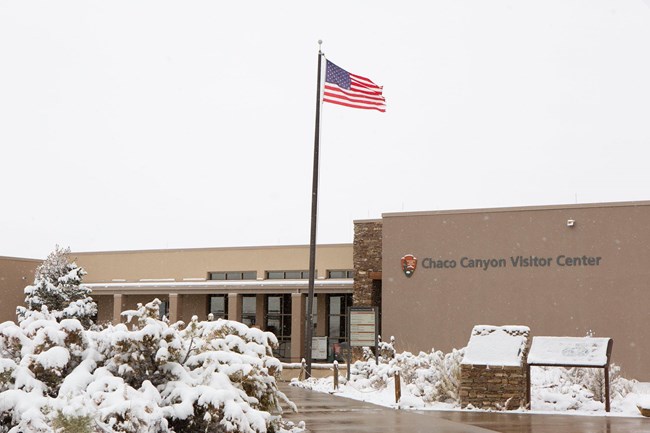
118	301
173	307
366	258
234	306
259	312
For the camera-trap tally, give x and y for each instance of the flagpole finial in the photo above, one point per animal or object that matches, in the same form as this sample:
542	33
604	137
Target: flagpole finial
320	43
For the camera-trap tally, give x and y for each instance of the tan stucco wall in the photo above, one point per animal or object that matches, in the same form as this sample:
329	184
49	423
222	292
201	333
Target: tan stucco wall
104	308
192	265
183	264
611	299
194	305
15	274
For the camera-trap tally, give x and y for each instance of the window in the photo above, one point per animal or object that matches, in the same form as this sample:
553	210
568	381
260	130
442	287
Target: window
347	273
249	309
314	315
278	321
337	310
164	309
236	275
218	306
287	275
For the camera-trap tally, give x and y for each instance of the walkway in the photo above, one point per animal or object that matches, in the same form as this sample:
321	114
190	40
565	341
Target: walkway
325	413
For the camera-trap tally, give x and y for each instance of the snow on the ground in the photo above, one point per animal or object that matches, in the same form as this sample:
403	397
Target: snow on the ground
554	390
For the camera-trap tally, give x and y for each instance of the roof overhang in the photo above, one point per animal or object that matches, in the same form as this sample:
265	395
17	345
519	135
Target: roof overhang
220	287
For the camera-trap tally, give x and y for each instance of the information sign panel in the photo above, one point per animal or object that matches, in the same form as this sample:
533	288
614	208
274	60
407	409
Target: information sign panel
363	327
570	351
319	348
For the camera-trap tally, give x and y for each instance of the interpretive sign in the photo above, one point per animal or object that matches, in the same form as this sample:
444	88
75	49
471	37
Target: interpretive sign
319	348
570	352
363	327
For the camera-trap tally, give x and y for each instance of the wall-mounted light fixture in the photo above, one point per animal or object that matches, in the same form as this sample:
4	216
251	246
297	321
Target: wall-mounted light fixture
570	223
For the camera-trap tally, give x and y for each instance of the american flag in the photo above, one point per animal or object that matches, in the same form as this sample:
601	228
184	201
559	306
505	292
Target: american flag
350	90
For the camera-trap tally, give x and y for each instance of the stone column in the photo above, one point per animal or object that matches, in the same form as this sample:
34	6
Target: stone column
298	316
260	312
173	307
234	306
118	301
366	257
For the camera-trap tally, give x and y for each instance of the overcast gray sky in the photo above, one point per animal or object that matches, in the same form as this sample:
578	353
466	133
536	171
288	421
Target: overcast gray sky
160	124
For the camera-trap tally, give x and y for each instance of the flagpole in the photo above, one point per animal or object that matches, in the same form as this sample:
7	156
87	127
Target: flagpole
314	211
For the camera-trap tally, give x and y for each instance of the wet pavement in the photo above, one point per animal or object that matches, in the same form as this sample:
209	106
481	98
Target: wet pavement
325	413
541	423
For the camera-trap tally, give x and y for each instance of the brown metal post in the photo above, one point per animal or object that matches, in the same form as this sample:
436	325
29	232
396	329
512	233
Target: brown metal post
607	388
610	343
303	366
398	388
528	386
336	375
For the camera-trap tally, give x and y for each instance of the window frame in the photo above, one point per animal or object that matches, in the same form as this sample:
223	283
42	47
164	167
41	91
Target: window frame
304	274
243	275
349	273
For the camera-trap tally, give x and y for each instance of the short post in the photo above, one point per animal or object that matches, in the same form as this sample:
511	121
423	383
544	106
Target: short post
398	388
303	369
336	375
528	403
607	388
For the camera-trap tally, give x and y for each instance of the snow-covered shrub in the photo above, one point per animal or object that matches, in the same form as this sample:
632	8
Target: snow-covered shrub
434	376
554	388
593	380
39	354
72	424
145	376
57	287
386	351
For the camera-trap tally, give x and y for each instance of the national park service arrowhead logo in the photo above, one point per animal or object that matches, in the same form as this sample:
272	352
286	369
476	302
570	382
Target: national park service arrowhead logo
409	263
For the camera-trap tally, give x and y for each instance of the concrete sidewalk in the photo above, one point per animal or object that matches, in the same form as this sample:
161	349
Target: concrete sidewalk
325	413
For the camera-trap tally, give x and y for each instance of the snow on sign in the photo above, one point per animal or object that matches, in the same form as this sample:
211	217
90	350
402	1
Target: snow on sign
363	327
570	351
502	346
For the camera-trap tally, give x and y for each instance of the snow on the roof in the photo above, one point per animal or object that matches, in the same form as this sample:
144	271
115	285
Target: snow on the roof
496	346
569	351
218	283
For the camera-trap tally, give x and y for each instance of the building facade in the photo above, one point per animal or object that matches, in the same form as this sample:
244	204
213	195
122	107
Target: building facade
570	270
15	274
265	287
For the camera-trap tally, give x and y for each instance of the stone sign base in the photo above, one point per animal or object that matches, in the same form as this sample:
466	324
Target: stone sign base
489	387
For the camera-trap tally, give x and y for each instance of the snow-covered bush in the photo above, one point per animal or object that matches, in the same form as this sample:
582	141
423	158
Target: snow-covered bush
57	288
433	376
576	388
144	376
